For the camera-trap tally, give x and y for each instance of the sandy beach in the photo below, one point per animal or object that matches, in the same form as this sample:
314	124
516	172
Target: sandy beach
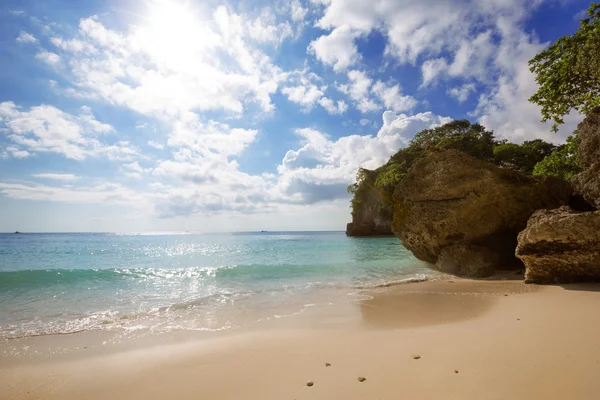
459	339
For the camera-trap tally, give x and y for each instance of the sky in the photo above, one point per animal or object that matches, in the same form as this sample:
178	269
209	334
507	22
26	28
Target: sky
181	115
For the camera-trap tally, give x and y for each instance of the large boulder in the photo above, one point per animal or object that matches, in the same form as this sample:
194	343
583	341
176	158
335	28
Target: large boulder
465	214
561	246
587	183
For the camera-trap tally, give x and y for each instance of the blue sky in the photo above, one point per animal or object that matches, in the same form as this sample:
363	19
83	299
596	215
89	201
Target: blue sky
224	116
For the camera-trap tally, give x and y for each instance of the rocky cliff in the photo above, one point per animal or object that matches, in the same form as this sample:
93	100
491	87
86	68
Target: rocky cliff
464	214
372	217
587	183
563	245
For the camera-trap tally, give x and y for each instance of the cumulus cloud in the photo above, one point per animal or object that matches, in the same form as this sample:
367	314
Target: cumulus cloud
506	109
306	96
462	93
336	49
322	168
48	57
155	69
46	129
332	106
369	97
25	37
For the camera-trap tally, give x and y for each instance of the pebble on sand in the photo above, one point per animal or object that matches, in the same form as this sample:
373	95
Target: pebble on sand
362	379
416	357
327	365
456	371
310	383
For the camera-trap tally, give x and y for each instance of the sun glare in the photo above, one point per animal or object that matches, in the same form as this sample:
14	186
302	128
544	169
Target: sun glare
171	32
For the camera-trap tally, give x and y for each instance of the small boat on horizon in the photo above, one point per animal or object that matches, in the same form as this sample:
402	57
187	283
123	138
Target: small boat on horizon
17	232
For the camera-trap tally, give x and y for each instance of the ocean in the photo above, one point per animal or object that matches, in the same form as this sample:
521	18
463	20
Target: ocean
140	284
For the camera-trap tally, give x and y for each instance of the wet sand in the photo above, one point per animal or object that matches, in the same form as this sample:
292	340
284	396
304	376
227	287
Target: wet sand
474	339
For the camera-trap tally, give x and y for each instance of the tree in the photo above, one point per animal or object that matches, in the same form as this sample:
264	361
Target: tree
568	72
563	162
522	157
472	139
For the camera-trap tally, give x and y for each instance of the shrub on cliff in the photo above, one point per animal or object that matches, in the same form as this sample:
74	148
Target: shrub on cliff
568	72
522	157
472	139
563	162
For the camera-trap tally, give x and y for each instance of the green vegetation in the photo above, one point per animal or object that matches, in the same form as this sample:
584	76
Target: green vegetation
535	157
563	162
522	157
461	135
568	72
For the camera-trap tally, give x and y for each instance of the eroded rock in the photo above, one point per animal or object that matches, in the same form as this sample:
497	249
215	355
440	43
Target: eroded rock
587	183
561	246
459	212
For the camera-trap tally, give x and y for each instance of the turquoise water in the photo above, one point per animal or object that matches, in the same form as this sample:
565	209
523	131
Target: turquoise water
63	283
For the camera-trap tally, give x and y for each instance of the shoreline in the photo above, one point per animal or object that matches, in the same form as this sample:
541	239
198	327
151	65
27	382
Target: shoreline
506	339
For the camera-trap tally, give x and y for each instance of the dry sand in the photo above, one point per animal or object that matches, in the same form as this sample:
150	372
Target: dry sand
534	343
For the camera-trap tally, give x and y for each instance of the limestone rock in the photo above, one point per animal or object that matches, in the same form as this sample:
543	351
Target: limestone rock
467	259
561	246
373	217
588	132
450	198
587	183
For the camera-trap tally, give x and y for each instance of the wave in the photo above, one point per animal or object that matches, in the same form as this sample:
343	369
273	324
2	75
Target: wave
416	279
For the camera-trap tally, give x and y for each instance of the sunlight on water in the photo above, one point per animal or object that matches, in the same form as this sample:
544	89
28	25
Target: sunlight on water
60	283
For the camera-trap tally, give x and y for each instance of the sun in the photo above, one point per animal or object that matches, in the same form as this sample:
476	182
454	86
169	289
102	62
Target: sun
171	32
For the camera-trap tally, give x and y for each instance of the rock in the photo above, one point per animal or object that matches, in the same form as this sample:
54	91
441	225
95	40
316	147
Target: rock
464	214
456	371
373	215
416	357
561	246
588	133
587	183
467	259
327	365
310	383
362	379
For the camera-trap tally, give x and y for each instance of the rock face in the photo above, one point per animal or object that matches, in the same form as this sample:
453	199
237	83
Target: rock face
561	246
465	214
372	218
587	183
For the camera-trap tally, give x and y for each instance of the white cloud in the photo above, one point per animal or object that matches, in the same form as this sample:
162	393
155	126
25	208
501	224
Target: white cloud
25	37
297	11
49	58
47	129
431	69
365	122
105	193
306	96
155	69
15	152
336	49
462	93
156	145
265	29
506	109
392	98
133	170
58	177
332	106
368	96
322	168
